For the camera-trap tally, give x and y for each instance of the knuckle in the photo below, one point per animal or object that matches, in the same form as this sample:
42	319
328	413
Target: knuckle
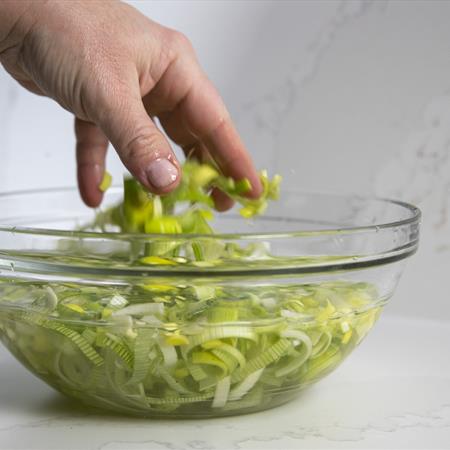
180	42
143	144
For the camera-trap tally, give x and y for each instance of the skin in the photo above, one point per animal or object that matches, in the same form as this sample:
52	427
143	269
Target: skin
116	70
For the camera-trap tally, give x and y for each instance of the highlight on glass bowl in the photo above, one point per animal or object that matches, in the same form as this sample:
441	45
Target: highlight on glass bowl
161	307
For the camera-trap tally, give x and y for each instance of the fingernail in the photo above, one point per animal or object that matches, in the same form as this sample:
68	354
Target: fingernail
161	173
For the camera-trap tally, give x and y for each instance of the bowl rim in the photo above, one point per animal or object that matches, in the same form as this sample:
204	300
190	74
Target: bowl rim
292	266
414	218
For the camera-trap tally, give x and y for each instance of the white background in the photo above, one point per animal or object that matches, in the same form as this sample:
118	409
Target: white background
349	96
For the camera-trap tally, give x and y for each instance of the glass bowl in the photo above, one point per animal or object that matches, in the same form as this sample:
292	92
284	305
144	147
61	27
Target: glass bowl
182	333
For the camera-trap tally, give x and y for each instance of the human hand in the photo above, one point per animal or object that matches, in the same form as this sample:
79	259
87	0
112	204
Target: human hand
116	70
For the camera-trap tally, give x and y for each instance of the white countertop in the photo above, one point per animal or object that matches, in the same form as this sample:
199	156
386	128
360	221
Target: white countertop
393	392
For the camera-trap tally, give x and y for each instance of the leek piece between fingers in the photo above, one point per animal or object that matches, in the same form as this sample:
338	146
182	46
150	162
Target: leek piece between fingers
105	184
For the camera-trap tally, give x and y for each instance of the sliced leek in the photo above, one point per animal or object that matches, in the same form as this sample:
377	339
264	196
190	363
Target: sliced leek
169	345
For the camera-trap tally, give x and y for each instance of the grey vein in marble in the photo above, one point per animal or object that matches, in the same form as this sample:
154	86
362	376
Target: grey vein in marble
269	110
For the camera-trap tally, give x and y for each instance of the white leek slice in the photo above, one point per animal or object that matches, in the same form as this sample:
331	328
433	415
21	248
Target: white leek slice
245	386
221	393
141	309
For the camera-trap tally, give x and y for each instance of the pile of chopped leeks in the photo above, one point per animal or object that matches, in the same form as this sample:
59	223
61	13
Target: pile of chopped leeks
182	348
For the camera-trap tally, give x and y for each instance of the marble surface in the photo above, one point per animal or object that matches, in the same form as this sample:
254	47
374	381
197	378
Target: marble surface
393	392
341	96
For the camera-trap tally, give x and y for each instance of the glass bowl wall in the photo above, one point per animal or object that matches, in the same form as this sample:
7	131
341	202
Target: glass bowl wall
297	291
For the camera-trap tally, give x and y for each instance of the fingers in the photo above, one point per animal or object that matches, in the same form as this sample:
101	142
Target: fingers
221	201
192	113
230	154
202	116
143	149
91	152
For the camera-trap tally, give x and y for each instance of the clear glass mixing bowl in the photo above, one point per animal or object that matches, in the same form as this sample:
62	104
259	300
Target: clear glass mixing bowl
298	290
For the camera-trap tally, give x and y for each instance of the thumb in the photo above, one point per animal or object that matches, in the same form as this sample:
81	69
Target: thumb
141	146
